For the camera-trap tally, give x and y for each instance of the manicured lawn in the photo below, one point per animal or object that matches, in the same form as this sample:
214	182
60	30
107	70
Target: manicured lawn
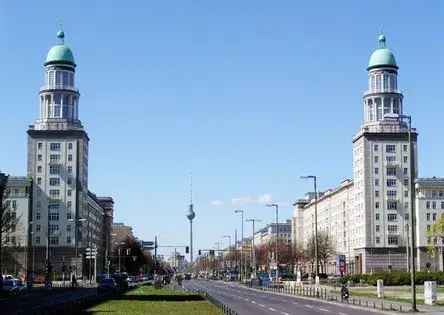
398	294
150	301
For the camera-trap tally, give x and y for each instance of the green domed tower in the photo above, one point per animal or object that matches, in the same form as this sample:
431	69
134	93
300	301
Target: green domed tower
382	97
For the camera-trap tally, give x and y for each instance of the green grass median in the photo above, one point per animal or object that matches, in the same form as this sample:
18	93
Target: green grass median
147	300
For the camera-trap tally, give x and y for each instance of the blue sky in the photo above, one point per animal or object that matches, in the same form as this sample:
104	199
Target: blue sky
248	95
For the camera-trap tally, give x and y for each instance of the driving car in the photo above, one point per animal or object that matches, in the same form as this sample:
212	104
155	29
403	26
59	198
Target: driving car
107	285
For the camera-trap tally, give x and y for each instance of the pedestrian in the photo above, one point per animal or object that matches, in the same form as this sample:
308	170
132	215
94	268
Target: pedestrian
74	281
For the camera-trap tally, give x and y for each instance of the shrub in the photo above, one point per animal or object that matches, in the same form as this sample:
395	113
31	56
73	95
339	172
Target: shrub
394	278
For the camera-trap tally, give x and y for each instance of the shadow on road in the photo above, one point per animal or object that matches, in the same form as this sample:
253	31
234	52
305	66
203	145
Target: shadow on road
155	297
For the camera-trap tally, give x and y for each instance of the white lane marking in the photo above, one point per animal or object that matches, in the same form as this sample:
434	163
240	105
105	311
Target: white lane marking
310	306
254	302
272	309
283	313
295	303
261	305
340	313
325	310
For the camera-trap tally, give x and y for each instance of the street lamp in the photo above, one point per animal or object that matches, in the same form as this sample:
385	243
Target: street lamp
229	246
316	223
401	117
253	221
76	244
276	206
242	263
3	182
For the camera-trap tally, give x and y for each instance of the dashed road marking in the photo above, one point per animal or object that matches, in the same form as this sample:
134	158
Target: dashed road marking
283	313
340	313
295	303
254	302
261	305
325	310
310	306
272	309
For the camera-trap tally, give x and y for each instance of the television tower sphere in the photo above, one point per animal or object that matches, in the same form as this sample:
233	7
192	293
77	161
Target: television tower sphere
191	214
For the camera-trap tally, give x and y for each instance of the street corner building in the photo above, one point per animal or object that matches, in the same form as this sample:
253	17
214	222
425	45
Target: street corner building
58	216
368	218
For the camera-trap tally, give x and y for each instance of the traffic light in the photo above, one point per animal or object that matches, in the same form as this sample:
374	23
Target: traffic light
200	252
187	249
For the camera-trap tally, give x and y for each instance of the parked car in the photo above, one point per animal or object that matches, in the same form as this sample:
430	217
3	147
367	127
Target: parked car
13	286
107	285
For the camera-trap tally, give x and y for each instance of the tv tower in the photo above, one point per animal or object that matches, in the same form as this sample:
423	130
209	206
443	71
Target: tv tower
191	215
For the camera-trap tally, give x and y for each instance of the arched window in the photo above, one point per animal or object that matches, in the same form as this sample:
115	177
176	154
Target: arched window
58	77
378	108
372	82
385	82
386	105
370	110
378	83
395	106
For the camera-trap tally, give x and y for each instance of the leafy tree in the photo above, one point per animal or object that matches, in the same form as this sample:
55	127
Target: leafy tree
436	234
132	257
8	222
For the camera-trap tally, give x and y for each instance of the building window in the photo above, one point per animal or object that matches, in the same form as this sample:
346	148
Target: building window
392	228
428	216
39	157
68	228
69	215
406	181
391	171
406	205
378	239
37	216
54	169
391	193
54	193
433	216
390	158
392	217
390	148
376	159
406	159
69	181
54	216
406	216
376	171
53	228
406	193
406	171
39	145
37	240
428	227
405	147
54	240
375	147
70	157
37	228
68	239
433	204
391	182
69	192
392	205
68	205
377	204
54	146
428	205
39	169
54	181
376	182
393	240
70	146
54	158
69	169
39	180
377	216
377	228
442	205
376	193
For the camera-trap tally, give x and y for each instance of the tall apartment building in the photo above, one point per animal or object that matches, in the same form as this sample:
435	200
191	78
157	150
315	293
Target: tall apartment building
368	218
268	234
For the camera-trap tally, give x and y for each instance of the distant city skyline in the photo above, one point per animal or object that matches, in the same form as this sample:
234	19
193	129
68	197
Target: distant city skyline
247	97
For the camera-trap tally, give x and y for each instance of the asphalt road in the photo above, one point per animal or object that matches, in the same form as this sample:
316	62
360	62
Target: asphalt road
251	302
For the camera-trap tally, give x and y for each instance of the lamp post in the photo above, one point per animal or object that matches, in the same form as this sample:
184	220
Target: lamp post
253	221
276	206
76	232
316	223
242	263
3	182
412	205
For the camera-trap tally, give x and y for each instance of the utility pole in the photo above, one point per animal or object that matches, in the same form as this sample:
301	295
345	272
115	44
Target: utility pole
253	249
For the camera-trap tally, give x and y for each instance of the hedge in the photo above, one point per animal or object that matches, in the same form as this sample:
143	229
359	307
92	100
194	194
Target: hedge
395	278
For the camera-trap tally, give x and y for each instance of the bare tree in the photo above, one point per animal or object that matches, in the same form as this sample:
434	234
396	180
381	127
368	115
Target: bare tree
8	222
325	249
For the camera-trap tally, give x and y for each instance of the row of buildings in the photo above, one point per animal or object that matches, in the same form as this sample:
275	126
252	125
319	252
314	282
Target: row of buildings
368	218
58	216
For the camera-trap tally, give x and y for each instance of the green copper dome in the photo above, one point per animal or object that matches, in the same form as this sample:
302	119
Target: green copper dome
60	54
382	56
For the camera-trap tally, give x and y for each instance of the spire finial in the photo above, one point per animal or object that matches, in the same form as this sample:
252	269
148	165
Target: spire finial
381	40
61	34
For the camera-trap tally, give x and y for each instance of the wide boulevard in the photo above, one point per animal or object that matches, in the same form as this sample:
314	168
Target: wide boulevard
246	301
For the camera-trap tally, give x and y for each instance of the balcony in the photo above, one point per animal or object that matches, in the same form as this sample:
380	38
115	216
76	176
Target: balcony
59	87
